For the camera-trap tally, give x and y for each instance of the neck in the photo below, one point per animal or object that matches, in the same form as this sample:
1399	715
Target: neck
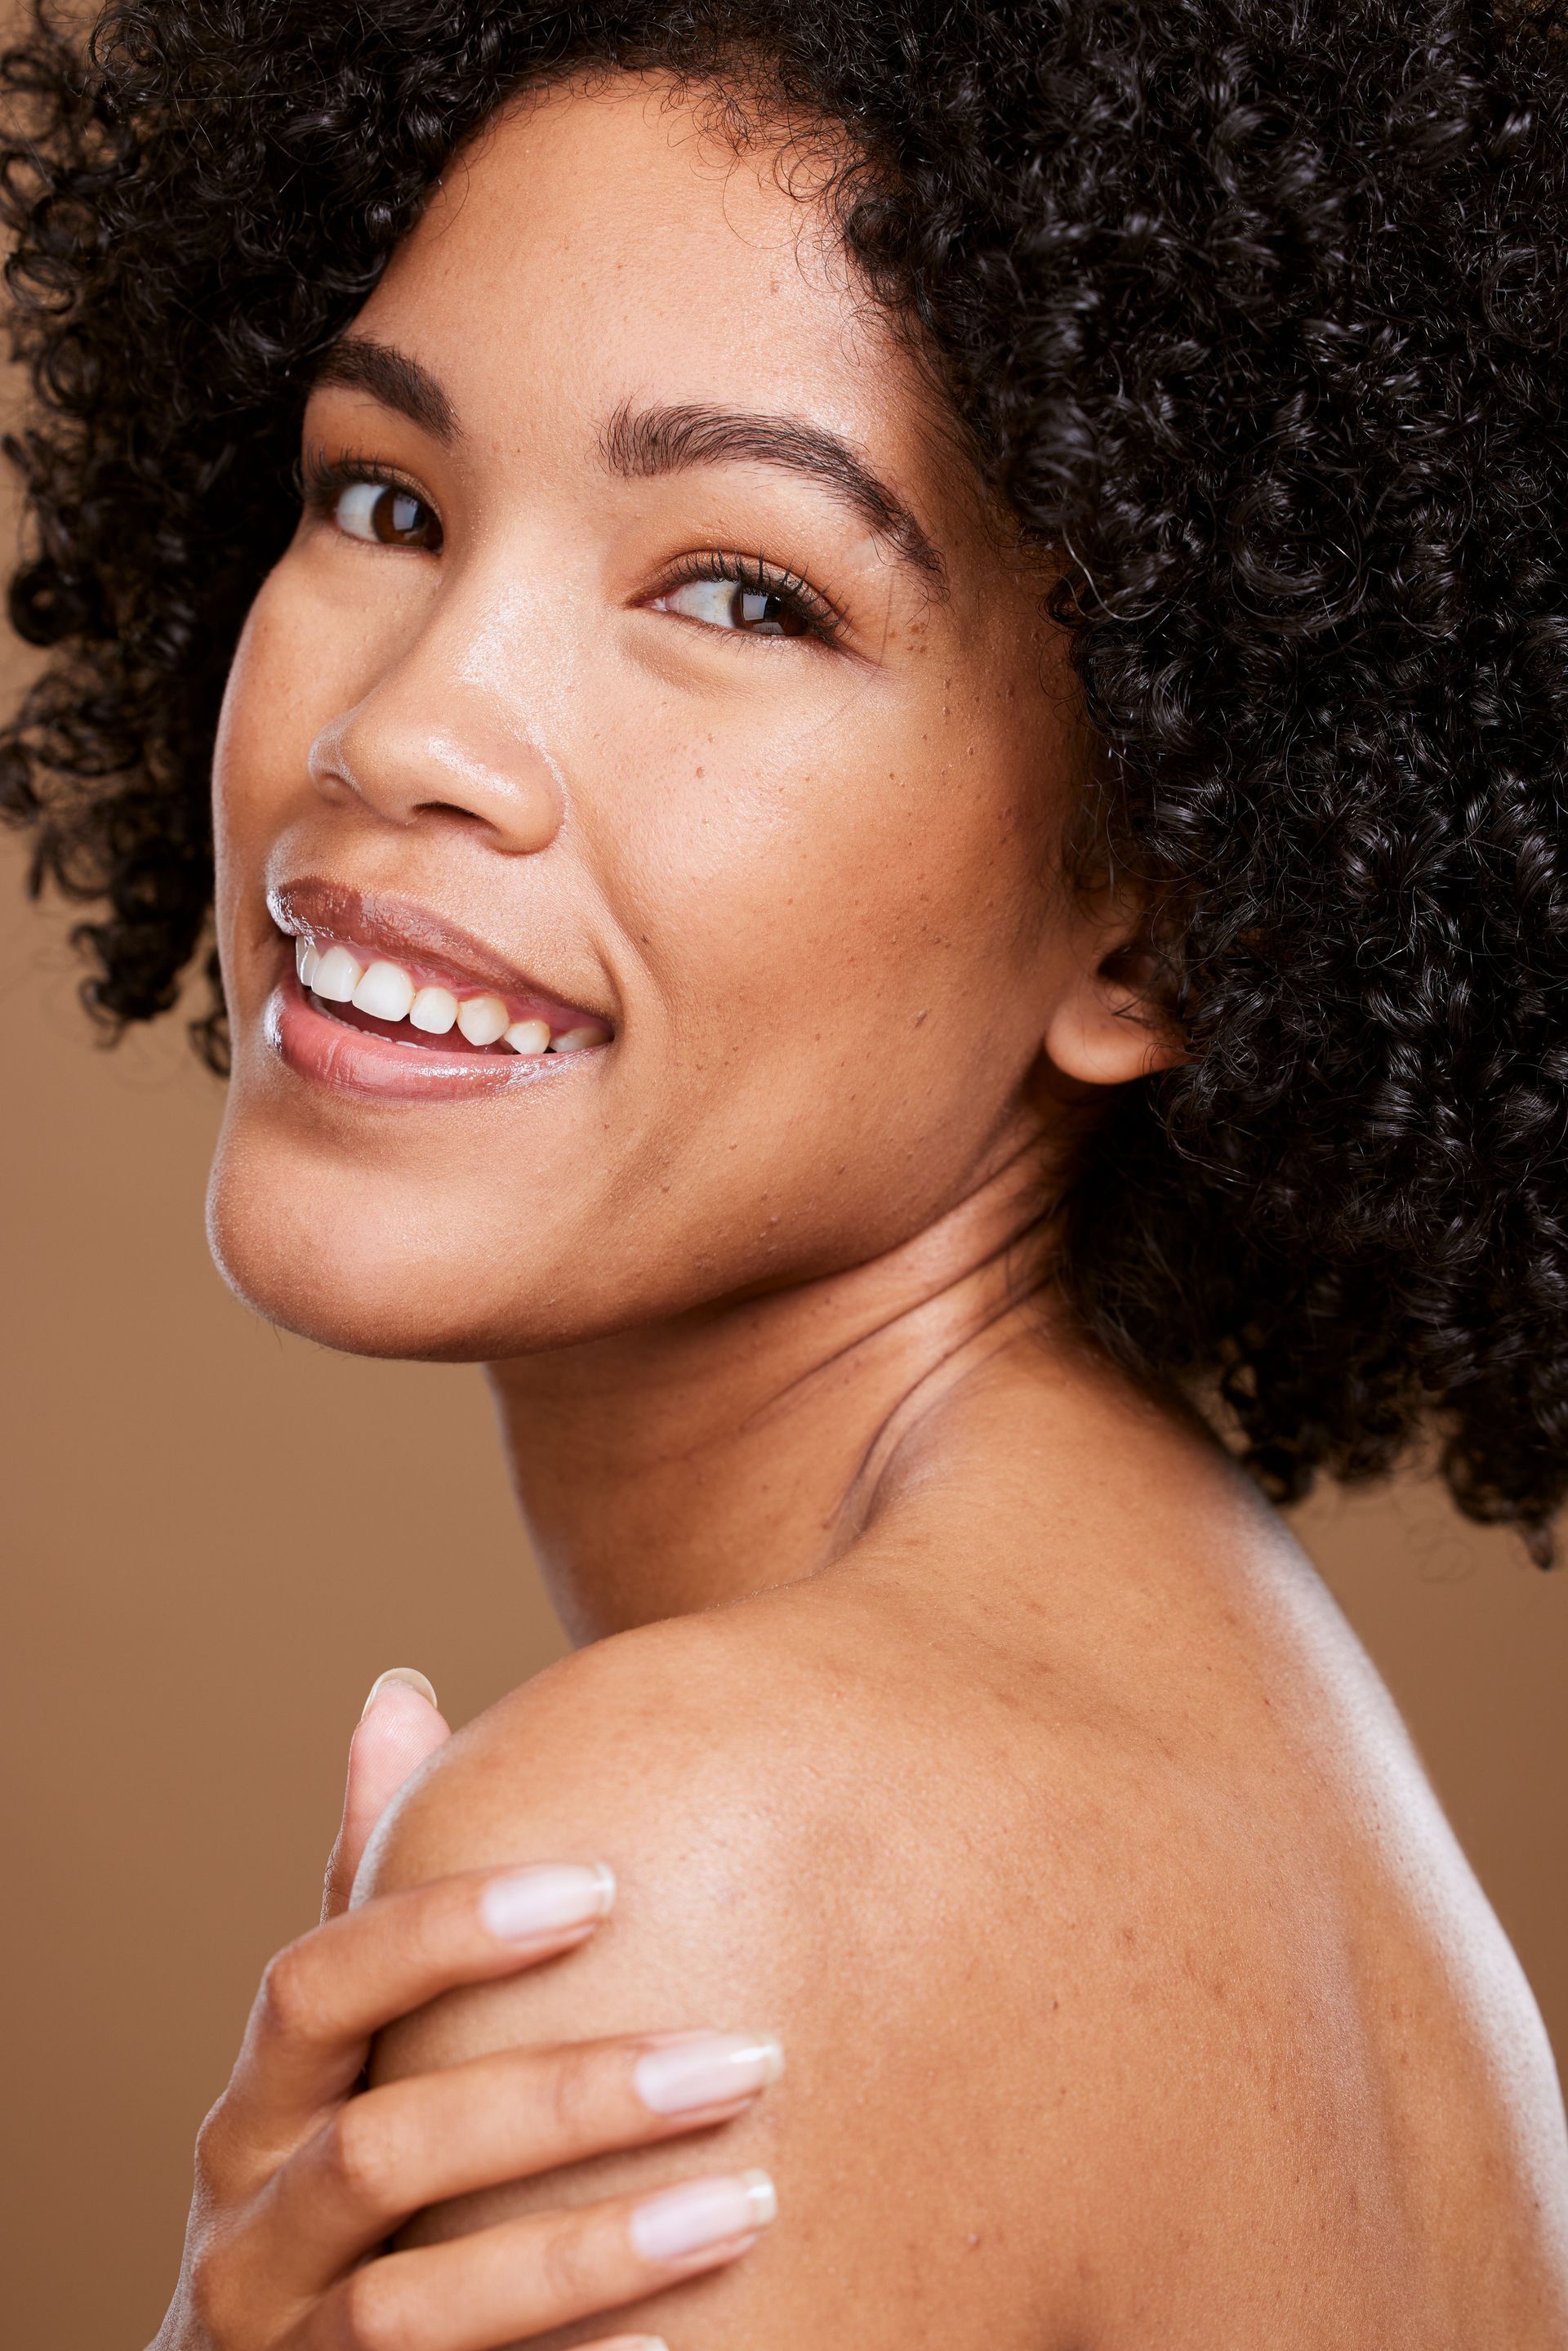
672	1468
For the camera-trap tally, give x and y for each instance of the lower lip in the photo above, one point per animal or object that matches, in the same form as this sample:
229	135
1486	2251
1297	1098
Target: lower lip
354	1061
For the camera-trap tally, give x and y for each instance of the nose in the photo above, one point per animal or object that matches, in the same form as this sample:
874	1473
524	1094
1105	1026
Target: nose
433	742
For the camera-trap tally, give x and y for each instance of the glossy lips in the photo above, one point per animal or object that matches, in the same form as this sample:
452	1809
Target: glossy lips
388	1000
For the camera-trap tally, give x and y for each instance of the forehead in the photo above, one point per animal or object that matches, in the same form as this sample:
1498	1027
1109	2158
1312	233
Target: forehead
600	242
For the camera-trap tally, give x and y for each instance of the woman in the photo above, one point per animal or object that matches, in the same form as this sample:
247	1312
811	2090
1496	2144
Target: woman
888	817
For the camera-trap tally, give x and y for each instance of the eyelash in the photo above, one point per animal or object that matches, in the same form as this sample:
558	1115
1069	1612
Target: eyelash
323	480
823	621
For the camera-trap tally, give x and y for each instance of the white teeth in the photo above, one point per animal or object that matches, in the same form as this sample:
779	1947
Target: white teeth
482	1018
338	975
434	1009
385	991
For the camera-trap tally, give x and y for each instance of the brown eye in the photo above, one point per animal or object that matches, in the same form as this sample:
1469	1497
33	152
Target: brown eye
767	614
386	514
760	611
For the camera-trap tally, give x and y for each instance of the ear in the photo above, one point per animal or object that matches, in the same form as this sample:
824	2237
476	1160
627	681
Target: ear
1107	1025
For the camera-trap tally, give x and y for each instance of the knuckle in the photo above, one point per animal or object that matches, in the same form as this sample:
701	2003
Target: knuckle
232	2160
567	2267
429	1922
572	2094
363	2155
288	2002
215	2145
373	2312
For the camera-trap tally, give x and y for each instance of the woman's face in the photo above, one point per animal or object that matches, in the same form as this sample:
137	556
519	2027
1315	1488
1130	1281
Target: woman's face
643	676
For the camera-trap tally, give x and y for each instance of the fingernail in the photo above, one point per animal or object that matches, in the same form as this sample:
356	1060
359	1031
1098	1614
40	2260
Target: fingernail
633	2343
702	2214
534	1902
706	2069
408	1674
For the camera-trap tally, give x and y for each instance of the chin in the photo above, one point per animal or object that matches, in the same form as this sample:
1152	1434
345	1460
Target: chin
352	1275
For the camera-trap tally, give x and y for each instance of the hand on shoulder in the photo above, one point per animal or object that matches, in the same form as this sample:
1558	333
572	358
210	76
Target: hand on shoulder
721	1770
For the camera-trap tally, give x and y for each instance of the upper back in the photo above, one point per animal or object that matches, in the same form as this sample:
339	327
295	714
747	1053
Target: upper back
1131	1985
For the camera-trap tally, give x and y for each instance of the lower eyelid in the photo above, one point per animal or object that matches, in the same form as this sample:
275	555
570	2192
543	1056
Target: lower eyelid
815	638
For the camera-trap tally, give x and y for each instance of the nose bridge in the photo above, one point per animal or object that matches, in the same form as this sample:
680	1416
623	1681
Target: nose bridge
458	724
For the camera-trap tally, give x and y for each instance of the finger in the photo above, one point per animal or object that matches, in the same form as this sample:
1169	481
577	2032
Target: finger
386	2155
400	1725
324	1997
504	2284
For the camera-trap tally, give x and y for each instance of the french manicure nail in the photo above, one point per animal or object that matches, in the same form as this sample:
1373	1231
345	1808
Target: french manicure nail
408	1674
706	2069
701	2214
529	1902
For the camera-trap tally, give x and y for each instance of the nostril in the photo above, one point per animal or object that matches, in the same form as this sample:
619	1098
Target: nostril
385	754
492	822
450	811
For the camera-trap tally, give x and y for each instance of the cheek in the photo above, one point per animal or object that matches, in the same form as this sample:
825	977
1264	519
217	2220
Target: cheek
279	690
848	940
298	663
877	868
303	658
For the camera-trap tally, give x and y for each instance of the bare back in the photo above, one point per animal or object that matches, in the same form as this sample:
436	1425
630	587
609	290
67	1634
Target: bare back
1133	1988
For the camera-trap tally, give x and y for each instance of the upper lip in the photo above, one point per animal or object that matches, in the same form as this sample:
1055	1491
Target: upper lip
403	930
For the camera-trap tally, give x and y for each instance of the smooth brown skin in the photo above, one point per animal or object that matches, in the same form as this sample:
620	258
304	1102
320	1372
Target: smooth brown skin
948	1709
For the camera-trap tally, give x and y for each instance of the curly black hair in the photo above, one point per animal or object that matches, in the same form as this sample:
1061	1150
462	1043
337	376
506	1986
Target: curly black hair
1254	311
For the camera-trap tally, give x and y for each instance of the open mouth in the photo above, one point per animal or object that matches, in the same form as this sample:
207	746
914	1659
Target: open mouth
419	1007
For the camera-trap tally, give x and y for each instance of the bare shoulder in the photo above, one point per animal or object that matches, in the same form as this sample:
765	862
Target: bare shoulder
701	1758
818	1809
785	1844
775	1809
1093	2025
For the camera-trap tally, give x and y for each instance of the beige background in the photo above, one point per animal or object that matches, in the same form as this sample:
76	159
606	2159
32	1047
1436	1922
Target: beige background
214	1537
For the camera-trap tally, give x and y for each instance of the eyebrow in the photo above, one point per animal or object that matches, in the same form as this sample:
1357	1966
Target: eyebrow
641	443
394	379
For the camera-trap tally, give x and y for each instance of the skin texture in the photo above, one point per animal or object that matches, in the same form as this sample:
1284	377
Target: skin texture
951	1710
302	2174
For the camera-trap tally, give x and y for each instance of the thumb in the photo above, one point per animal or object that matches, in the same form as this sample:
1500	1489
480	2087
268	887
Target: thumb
399	1727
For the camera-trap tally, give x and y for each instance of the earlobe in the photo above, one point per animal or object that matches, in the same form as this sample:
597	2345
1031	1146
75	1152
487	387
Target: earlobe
1105	1031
